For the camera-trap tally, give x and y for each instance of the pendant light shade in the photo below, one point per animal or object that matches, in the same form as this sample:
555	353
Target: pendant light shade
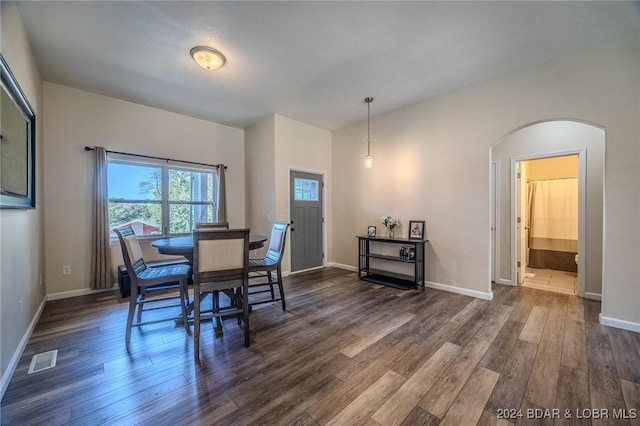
368	159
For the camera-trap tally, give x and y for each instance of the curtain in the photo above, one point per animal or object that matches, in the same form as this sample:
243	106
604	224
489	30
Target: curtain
100	245
222	194
553	223
554	215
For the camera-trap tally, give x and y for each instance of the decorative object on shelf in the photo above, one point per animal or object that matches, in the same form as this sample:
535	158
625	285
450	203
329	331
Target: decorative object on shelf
371	231
416	229
407	253
208	58
390	222
368	160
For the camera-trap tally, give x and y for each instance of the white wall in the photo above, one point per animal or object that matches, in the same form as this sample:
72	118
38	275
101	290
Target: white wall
543	139
300	147
260	177
75	119
432	162
274	146
21	231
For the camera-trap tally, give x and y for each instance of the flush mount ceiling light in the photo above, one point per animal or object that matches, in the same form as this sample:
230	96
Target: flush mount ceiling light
208	57
368	160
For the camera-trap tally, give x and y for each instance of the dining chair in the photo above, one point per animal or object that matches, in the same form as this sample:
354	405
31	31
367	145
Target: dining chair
212	225
221	263
150	285
264	267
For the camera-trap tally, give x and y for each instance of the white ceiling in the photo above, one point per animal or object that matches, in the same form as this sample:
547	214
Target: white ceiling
311	61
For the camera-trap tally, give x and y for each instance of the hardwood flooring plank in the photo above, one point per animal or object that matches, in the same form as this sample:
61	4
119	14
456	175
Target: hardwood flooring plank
400	404
543	380
509	390
532	331
371	336
442	394
631	392
418	416
490	419
603	375
500	350
573	396
574	346
362	407
469	404
601	401
627	362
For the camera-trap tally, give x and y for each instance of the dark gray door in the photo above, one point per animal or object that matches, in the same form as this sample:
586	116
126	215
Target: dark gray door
306	221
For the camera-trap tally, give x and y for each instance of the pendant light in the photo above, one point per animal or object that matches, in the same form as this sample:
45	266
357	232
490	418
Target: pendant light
368	160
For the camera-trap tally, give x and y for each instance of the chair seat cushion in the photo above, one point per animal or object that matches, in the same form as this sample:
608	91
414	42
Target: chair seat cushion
177	271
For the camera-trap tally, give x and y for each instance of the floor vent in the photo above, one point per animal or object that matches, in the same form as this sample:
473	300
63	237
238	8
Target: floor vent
43	361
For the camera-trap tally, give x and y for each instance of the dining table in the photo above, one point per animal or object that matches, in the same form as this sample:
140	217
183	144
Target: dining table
183	245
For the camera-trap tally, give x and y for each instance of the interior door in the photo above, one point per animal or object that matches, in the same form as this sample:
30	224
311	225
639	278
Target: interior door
521	220
306	221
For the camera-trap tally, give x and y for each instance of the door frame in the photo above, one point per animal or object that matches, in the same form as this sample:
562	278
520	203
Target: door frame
324	214
582	209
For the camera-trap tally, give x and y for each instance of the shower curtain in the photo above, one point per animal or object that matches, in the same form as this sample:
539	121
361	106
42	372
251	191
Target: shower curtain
553	224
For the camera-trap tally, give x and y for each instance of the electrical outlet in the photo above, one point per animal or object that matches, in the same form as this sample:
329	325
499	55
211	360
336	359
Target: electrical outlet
40	280
21	306
66	270
268	218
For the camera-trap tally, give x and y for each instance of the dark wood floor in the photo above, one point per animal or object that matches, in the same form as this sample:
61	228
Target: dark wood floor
346	352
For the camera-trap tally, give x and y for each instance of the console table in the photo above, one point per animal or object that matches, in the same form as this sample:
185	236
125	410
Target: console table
386	254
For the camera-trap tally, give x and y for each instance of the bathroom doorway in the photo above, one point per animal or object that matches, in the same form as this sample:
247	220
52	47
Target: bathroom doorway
547	210
539	140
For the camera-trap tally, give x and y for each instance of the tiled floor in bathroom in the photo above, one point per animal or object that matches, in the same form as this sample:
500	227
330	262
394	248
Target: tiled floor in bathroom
548	279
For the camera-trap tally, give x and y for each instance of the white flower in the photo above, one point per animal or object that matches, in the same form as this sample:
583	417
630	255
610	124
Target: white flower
389	221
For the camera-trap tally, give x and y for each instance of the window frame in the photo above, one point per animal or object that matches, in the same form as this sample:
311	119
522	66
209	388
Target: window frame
165	203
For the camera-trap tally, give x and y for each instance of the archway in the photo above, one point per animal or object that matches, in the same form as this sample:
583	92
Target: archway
549	139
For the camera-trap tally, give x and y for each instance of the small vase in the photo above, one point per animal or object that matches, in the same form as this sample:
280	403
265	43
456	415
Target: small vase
391	233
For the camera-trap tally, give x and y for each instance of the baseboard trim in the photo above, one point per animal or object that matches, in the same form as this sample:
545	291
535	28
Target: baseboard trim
459	290
81	292
593	296
618	323
13	364
306	270
342	266
502	281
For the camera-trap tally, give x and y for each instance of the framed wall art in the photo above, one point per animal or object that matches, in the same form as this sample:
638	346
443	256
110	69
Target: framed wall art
416	229
17	145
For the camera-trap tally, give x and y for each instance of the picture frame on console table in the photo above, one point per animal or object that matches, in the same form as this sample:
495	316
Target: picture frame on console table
416	229
371	231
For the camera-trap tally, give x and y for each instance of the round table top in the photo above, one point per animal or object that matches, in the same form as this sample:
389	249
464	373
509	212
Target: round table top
183	246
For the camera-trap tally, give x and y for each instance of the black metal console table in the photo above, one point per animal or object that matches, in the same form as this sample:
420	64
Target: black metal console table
379	274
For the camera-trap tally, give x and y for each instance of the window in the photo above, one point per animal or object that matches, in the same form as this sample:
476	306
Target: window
306	189
160	199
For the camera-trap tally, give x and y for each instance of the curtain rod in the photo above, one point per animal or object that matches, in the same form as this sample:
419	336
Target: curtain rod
88	148
541	180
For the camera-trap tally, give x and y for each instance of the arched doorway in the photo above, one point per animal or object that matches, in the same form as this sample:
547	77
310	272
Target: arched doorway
541	140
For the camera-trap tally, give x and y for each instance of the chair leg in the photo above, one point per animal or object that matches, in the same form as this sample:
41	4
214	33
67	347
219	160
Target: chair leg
281	288
273	296
245	317
215	295
184	301
140	303
196	323
132	310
